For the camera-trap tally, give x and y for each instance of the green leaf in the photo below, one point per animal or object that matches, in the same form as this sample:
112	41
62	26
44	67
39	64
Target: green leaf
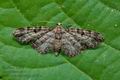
21	62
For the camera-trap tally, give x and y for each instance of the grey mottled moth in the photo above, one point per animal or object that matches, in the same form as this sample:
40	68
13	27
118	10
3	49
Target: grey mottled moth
71	41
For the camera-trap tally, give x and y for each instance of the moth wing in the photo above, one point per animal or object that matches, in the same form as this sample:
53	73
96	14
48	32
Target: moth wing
87	38
26	35
45	43
69	45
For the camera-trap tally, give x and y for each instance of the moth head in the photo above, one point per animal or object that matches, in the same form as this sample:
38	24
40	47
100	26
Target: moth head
59	24
58	28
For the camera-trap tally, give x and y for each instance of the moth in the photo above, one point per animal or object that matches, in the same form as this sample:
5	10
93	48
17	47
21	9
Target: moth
71	41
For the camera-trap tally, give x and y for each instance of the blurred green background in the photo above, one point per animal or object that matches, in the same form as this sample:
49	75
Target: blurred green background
21	62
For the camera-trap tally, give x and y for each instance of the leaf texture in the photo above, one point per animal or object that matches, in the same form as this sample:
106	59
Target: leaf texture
21	62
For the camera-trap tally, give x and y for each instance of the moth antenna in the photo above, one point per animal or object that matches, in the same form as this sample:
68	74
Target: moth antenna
69	25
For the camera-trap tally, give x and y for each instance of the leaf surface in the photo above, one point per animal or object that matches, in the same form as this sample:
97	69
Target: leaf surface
21	62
